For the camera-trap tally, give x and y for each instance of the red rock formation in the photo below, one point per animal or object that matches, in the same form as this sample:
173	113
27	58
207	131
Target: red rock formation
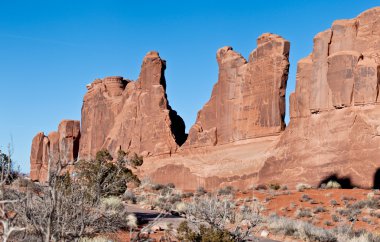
335	117
36	155
134	116
248	100
46	151
334	128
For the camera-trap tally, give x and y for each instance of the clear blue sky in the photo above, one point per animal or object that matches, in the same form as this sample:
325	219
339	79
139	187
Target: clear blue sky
49	50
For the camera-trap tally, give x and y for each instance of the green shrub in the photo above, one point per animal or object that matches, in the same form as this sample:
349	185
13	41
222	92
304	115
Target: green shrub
104	178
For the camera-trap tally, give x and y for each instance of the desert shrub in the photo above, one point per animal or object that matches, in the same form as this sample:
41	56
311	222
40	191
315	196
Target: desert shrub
129	196
141	198
319	209
327	223
335	218
284	187
104	178
308	232
157	187
260	187
305	198
187	194
274	186
204	233
347	198
181	207
95	239
350	214
170	185
228	190
366	220
303	212
333	185
299	229
200	191
167	201
369	203
374	214
60	213
111	203
220	214
333	202
302	186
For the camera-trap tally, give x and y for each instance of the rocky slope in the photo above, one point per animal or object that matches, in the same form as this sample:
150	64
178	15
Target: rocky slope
239	137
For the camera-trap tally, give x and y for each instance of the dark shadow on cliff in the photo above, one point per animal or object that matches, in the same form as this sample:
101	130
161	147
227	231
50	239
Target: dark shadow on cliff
345	182
177	127
376	179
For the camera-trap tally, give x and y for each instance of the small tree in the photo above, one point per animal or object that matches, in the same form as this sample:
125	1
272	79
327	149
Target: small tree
103	177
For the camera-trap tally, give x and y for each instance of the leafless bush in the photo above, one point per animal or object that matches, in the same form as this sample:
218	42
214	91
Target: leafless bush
303	212
302	186
220	214
11	221
65	210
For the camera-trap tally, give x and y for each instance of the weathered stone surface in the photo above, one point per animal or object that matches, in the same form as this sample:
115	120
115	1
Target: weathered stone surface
36	155
133	116
248	99
340	77
53	150
47	151
367	77
337	134
69	134
300	100
334	128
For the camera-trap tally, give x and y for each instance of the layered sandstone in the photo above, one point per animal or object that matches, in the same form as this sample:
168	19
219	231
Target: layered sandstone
248	101
239	138
47	151
133	116
335	117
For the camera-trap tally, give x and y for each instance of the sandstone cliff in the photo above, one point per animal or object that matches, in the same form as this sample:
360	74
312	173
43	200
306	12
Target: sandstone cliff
248	100
58	146
239	137
133	116
335	114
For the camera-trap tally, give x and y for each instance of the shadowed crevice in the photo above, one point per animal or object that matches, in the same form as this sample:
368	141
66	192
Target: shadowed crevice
345	182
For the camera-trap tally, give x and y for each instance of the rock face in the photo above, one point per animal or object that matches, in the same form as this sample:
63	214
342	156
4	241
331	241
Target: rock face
133	116
239	137
335	117
248	100
61	146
